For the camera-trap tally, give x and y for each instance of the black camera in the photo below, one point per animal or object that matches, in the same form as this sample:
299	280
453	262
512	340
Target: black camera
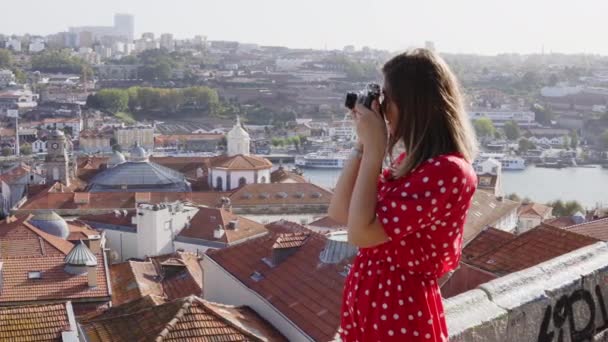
366	96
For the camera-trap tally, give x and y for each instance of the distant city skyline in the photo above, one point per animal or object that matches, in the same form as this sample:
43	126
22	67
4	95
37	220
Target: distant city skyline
468	26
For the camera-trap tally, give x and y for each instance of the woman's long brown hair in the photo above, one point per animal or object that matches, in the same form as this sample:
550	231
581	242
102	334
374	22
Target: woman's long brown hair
432	120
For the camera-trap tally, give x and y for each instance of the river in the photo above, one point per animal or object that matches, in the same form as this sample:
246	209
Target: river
589	186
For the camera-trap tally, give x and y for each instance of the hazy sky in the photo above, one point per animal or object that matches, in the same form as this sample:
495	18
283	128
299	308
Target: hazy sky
471	26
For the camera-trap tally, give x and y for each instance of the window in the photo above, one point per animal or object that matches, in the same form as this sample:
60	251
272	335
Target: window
34	275
218	183
263	179
242	181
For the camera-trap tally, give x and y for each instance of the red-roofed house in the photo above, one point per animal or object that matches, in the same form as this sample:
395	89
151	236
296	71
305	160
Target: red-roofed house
39	323
531	215
292	277
39	265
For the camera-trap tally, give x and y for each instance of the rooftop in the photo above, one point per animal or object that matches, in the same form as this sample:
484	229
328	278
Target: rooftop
40	323
166	277
188	318
305	290
530	248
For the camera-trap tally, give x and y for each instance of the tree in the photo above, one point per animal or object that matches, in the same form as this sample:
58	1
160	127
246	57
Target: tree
6	59
113	100
484	127
513	197
512	130
569	208
26	149
6	151
604	139
542	115
566	142
574	140
525	145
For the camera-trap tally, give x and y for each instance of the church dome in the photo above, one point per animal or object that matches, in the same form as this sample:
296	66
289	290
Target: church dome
237	131
138	154
50	222
116	159
57	134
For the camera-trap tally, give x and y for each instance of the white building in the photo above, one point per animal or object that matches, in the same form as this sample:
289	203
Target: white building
36	46
500	116
157	229
6	77
532	215
342	130
14	44
239	168
39	146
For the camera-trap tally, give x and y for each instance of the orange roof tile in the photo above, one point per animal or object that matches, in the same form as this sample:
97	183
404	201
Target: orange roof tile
189	318
597	229
530	248
168	276
41	323
25	248
486	209
279	194
465	278
281	175
241	162
534	210
327	222
487	240
301	287
208	219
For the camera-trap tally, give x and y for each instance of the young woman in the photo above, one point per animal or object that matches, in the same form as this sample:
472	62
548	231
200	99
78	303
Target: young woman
408	219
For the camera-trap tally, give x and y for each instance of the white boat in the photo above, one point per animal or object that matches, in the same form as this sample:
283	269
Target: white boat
507	162
322	160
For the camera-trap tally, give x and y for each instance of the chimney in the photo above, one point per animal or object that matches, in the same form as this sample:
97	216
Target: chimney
92	275
286	245
233	225
94	243
219	232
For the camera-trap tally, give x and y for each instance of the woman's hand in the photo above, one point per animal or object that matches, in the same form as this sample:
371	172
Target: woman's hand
371	128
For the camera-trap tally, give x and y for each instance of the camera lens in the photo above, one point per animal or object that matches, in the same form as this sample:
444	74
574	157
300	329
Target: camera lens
351	100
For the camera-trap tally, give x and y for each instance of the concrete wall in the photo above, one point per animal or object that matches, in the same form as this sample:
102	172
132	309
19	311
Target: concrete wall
121	242
563	299
221	287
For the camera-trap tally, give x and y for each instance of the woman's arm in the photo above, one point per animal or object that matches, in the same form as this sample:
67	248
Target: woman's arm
364	229
340	200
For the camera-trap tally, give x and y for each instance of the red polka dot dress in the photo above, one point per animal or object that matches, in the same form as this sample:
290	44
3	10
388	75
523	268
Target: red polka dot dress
391	292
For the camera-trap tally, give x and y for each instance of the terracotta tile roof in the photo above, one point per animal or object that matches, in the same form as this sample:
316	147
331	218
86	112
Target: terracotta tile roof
131	307
280	193
15	174
25	248
302	288
464	278
327	222
80	231
486	209
132	280
169	277
40	323
208	219
561	222
530	248
281	175
487	240
534	210
117	218
186	319
597	229
240	162
114	200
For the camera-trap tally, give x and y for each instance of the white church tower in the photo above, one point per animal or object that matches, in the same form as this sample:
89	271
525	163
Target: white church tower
238	140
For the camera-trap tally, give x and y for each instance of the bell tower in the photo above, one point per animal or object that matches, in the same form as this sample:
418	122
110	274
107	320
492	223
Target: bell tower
57	162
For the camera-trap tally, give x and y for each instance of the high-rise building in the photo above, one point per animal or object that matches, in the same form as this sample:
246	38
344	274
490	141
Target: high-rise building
166	41
124	24
148	35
